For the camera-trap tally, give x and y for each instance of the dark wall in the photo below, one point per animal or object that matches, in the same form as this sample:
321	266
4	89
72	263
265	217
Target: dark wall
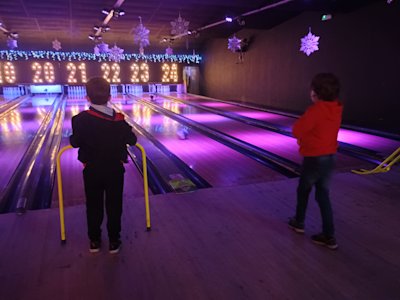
362	48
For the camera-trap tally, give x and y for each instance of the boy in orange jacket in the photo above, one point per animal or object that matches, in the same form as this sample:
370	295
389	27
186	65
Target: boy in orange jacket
316	132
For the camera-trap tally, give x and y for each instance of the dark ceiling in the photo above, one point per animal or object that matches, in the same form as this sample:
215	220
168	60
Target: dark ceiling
39	22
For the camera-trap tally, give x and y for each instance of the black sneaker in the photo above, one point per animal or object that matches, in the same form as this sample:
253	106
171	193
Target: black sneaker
321	239
94	246
296	226
115	247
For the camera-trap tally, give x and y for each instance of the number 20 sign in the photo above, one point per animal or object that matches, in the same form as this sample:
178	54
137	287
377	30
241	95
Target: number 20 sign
77	72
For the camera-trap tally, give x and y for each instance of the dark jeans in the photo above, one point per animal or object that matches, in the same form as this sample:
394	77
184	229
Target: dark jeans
104	182
316	171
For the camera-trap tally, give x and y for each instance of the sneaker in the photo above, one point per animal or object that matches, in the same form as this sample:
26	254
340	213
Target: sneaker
94	246
115	247
296	226
321	239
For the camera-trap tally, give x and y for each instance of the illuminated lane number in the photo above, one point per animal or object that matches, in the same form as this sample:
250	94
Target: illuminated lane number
135	73
72	72
115	68
170	73
48	71
38	72
82	68
143	70
9	73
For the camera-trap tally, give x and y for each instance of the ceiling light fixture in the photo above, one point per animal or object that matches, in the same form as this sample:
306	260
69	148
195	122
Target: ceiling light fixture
229	19
241	21
103	28
106	11
115	13
94	37
326	17
197	31
12	35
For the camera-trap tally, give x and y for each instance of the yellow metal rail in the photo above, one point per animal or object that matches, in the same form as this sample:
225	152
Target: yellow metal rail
145	186
384	166
61	197
60	193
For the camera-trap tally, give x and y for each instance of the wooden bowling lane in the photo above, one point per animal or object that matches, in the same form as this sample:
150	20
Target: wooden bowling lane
215	162
380	144
17	130
281	145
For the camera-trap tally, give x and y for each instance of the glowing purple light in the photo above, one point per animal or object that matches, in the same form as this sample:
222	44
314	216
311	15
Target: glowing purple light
207	118
216	104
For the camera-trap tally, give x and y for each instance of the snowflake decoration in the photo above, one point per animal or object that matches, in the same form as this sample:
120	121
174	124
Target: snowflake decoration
169	51
234	43
12	43
103	48
141	36
309	43
116	53
56	45
179	26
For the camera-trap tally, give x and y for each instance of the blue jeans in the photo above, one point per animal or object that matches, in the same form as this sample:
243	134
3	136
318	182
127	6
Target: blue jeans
316	171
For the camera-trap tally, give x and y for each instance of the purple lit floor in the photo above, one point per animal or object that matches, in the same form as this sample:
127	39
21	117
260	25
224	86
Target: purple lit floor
227	242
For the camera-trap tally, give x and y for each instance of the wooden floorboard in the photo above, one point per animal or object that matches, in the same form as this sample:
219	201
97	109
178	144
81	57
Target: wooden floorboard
220	243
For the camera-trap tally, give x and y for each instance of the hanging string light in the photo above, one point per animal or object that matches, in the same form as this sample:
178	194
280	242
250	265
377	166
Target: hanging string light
16	55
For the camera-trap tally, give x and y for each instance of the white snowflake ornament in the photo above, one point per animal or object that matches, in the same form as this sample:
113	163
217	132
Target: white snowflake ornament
116	53
103	48
56	45
141	36
169	51
234	43
309	43
12	43
179	26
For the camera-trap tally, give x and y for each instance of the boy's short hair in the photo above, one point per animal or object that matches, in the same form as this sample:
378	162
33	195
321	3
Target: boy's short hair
98	90
326	86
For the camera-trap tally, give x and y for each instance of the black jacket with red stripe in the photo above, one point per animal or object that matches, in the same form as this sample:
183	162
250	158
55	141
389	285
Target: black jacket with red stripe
101	138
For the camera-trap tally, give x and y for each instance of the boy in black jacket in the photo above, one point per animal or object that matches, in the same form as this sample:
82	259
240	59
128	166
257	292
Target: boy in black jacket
101	135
